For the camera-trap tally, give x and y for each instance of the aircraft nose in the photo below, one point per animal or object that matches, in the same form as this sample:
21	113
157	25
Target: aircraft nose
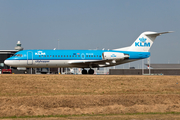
7	62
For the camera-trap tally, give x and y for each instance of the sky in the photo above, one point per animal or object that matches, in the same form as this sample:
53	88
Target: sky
91	24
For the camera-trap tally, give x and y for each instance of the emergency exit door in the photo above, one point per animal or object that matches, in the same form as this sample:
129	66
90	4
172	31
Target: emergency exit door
29	57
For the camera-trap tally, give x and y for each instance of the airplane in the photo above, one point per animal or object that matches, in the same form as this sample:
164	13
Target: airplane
84	58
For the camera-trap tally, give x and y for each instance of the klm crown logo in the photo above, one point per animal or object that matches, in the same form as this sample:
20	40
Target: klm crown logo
113	55
142	43
142	39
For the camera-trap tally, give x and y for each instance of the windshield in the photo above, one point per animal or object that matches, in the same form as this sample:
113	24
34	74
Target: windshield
17	55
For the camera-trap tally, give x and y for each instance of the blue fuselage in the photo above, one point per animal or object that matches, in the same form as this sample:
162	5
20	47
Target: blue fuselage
67	58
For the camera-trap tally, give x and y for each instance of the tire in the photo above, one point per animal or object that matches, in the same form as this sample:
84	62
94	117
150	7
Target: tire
91	71
84	71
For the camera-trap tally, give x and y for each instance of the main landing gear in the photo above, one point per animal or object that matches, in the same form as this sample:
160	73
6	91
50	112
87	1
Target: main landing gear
84	71
90	71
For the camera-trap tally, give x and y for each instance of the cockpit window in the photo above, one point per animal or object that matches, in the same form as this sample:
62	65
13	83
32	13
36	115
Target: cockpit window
17	55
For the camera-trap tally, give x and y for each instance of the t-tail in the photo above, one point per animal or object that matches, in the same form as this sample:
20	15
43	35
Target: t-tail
144	42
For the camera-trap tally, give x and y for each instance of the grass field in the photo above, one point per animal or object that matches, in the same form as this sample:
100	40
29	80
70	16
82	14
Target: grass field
89	97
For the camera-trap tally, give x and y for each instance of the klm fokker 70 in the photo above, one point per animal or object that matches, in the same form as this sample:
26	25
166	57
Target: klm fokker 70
84	58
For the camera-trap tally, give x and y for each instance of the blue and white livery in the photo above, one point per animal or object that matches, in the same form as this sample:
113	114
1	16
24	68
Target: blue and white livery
84	58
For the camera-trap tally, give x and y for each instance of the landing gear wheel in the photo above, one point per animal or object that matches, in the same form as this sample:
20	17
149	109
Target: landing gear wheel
25	72
90	71
84	71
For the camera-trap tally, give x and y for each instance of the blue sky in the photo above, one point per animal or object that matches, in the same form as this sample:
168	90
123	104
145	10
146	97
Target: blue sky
91	24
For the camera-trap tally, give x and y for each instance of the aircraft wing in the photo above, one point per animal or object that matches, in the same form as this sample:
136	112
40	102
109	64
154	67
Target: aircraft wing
88	63
95	63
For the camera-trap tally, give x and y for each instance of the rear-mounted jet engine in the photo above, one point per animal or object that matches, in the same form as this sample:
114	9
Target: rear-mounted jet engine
114	56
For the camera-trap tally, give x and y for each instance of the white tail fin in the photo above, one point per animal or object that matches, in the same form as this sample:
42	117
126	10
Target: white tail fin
144	42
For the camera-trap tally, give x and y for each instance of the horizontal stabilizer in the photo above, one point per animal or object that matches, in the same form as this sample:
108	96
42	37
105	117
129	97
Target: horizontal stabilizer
157	34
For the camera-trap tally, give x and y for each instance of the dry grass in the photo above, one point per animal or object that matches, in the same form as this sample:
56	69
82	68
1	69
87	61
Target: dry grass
32	95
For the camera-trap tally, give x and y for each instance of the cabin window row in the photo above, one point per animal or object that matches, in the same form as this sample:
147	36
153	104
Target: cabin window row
59	56
68	56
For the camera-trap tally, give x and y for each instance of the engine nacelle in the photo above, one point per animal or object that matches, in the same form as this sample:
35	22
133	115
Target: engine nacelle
21	68
114	55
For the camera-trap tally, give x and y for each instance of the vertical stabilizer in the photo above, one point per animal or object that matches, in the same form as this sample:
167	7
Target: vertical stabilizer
144	42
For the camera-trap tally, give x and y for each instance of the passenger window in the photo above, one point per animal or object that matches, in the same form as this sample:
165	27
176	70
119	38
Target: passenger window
73	56
86	55
53	55
82	55
61	55
64	56
47	55
58	55
67	55
50	55
44	56
70	56
39	56
91	55
94	56
78	55
99	56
